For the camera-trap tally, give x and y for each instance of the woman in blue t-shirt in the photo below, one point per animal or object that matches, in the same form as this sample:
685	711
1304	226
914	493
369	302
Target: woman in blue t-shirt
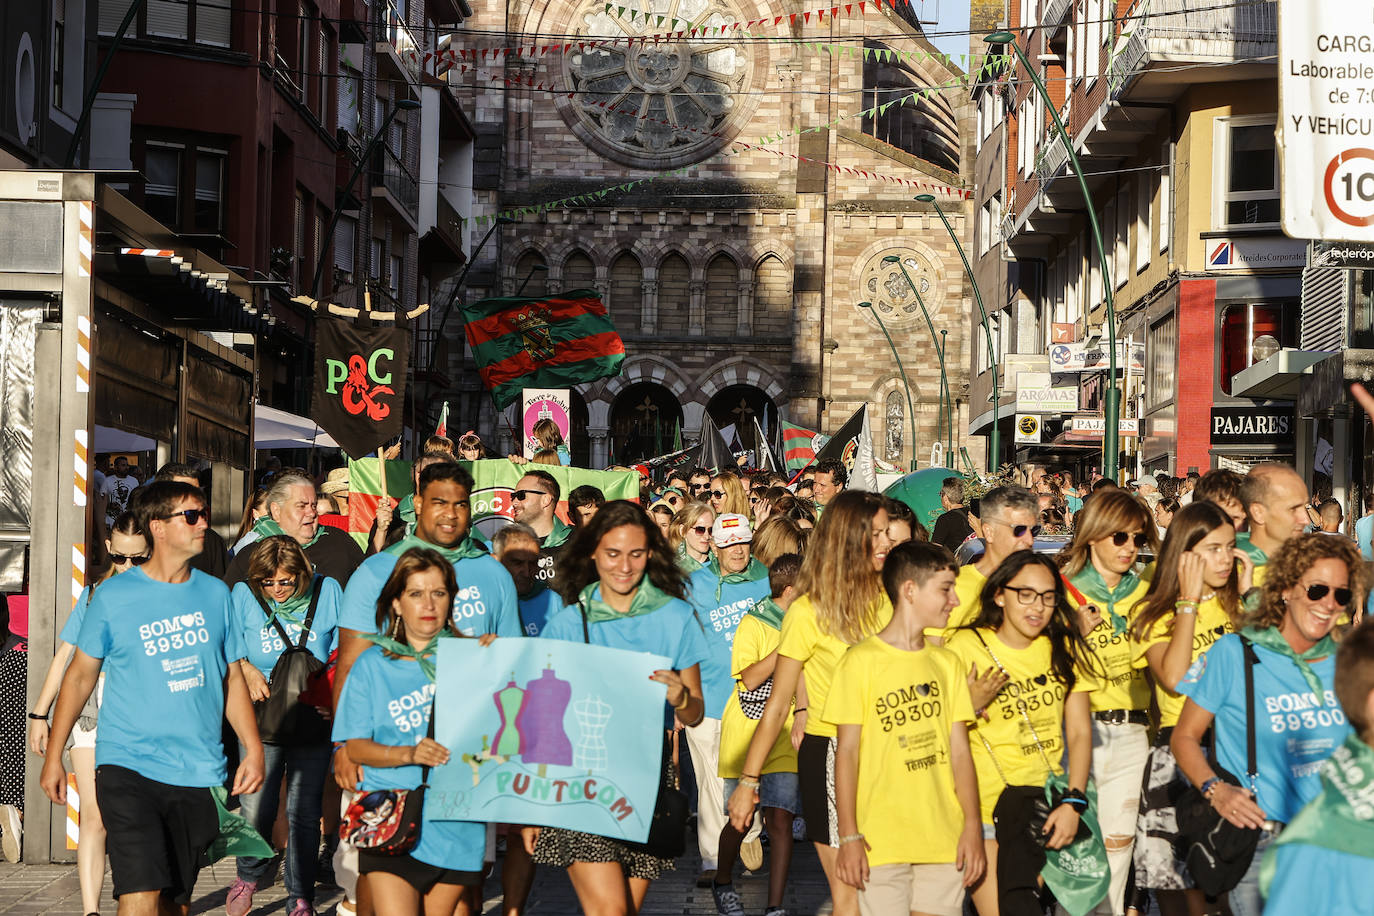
275	600
624	590
1309	587
384	715
127	548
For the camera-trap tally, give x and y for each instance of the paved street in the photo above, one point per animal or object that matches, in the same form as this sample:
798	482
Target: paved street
53	889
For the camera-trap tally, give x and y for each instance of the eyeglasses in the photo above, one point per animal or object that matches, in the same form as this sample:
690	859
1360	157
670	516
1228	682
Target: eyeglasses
718	494
701	529
1318	592
522	495
1119	539
119	559
699	487
191	515
1019	531
277	583
1031	596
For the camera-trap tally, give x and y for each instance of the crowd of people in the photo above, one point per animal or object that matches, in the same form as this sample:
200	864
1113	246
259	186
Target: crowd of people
1054	676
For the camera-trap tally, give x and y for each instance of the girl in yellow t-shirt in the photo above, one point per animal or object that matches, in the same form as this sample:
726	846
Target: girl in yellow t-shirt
841	604
1192	602
1027	630
1109	532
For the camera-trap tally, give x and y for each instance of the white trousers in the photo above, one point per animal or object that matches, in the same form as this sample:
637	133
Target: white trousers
1119	756
703	742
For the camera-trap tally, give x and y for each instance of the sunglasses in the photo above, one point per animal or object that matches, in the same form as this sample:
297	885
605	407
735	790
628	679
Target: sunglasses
1318	592
718	494
699	487
1119	539
1019	531
277	583
526	494
701	529
191	515
119	559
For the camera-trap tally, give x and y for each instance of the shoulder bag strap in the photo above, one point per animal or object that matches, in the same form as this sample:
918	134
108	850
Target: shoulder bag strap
586	634
281	631
315	590
1251	659
429	733
1024	713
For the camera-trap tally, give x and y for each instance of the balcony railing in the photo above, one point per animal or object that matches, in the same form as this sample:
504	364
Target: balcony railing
1056	11
1172	30
392	30
389	173
1053	155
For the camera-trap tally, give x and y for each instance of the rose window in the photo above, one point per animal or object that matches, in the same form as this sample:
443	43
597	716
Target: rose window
883	285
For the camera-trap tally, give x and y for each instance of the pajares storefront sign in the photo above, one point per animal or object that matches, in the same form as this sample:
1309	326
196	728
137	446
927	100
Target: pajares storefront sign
1252	425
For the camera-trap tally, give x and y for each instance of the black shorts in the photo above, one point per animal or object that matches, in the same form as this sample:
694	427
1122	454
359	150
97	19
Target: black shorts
816	778
157	834
417	874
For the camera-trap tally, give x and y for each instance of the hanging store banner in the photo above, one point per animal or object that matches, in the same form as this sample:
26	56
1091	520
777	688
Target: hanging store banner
545	404
360	383
1035	394
1325	131
544	732
1027	429
1253	426
1094	428
1080	356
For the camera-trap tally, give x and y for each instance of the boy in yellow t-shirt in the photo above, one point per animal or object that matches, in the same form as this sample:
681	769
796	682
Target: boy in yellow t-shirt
901	707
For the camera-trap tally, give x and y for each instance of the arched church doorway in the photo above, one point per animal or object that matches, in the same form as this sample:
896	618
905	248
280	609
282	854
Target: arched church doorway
735	409
644	421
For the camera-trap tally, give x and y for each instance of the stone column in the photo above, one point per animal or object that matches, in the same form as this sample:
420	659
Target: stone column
648	304
600	437
744	291
696	310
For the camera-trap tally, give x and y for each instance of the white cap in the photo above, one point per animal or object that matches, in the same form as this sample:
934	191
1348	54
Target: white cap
731	529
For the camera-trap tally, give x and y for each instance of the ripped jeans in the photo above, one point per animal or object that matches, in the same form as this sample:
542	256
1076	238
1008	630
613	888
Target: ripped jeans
1119	756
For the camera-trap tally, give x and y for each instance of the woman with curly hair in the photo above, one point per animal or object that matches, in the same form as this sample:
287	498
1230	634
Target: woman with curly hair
1310	586
841	603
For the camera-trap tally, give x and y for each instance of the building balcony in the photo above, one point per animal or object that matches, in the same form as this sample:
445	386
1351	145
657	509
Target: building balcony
398	53
1171	32
443	243
394	187
1056	11
1054	155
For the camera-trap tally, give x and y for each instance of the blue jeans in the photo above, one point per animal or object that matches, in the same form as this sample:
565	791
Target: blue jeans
305	768
1245	898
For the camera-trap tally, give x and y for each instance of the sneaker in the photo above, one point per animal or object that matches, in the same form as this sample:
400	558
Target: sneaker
727	900
240	898
324	866
301	908
706	878
11	832
751	854
775	911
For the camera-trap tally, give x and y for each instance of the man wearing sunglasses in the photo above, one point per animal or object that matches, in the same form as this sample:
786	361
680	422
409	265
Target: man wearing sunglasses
699	484
1275	502
214	559
160	633
533	503
1008	516
291	510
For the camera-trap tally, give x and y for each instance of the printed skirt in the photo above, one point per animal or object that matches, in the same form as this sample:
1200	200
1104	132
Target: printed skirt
1158	852
561	848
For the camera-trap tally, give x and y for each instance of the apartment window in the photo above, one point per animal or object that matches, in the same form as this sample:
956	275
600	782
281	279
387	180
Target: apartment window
1246	173
304	28
1025	139
1166	196
350	90
59	55
989	114
1094	36
980	356
317	240
1095	272
209	192
345	237
397	268
1073	283
1143	242
162	183
208	20
167	18
990	225
1241	326
322	76
1161	366
298	237
212	22
1121	255
376	257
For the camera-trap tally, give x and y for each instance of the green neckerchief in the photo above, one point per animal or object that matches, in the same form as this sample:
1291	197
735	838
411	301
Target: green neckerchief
1341	818
406	510
236	836
685	561
424	656
558	536
291	610
1273	640
267	527
751	573
1090	582
768	611
465	549
647	599
1257	556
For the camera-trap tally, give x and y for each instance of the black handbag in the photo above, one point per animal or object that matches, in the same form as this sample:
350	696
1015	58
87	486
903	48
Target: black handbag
1216	851
282	717
387	821
668	827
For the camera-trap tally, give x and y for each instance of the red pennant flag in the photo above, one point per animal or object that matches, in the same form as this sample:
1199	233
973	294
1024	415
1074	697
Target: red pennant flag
848	9
777	20
792	19
834	11
806	17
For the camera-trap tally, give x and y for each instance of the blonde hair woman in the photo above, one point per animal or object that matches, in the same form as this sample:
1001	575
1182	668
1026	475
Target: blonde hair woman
728	496
775	537
689	534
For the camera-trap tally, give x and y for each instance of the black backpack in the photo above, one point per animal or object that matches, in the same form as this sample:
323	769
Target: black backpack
282	717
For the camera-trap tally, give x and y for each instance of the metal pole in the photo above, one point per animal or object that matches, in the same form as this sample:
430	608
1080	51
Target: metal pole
949	402
347	188
525	282
906	383
84	121
1111	407
995	440
939	348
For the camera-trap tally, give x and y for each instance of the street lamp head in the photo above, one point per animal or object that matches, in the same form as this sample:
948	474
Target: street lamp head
504	221
865	305
891	259
534	268
1001	38
407	104
926	198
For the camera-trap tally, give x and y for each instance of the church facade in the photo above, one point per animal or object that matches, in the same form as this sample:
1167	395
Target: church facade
771	198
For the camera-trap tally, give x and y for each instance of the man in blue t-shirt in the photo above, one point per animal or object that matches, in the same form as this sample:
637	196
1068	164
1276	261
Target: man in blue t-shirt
516	546
486	599
160	634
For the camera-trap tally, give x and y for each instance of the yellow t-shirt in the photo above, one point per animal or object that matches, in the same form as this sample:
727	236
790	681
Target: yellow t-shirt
968	586
819	653
1004	748
1124	685
1261	569
754	640
907	703
1212	624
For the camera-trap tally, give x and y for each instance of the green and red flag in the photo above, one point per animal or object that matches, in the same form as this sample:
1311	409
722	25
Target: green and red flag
798	446
365	489
553	342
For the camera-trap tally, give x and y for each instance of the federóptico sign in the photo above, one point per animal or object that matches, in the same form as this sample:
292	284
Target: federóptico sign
1326	119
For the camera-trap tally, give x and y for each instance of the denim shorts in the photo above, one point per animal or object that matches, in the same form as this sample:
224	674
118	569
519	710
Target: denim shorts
776	790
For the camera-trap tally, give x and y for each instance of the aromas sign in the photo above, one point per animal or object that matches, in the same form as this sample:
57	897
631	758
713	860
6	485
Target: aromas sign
1253	425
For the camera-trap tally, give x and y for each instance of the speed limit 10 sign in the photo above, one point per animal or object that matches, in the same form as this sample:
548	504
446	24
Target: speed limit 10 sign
1326	119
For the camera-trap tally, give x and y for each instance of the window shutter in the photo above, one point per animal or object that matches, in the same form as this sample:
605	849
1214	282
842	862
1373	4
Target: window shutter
212	22
167	18
1325	305
111	14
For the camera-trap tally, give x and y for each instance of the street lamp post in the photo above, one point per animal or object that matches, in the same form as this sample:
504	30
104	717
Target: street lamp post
346	188
906	382
995	440
525	282
939	352
1111	407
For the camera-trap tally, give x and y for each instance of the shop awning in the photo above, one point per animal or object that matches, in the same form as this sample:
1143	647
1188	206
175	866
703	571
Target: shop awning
1279	376
273	428
183	292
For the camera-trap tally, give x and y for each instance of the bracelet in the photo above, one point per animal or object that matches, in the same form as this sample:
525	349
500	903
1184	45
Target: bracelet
1208	786
1074	800
686	700
1185	607
748	783
849	839
37	718
799	709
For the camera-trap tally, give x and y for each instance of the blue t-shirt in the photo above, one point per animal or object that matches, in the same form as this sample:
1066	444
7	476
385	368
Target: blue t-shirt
263	643
165	648
719	618
72	628
536	610
1293	732
485	603
1314	879
1364	534
389	701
